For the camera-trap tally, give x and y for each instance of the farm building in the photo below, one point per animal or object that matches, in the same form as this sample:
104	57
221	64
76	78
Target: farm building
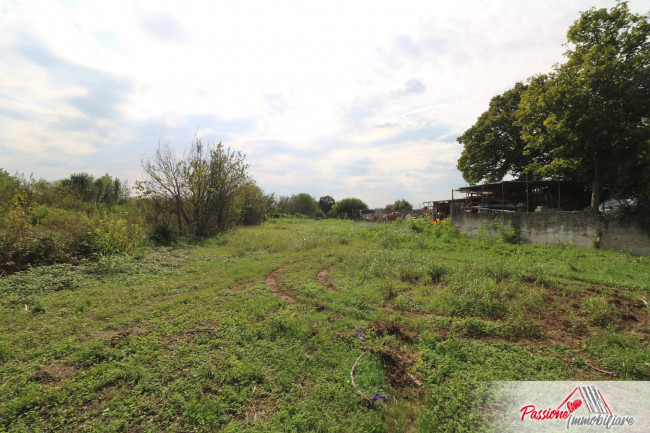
515	196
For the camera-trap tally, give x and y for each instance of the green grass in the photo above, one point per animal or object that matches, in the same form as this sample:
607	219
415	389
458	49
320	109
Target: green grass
192	338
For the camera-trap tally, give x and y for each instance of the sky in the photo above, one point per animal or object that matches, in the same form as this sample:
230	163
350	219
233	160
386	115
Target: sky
342	98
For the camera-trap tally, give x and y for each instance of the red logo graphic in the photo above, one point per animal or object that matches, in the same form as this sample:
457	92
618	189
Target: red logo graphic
592	399
573	405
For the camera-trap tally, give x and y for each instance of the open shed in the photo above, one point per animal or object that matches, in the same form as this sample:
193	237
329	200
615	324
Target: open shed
522	196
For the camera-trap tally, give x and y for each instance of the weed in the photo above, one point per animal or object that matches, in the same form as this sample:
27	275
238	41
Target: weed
600	311
39	308
437	272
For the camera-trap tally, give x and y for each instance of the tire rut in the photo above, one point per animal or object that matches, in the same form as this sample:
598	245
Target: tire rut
274	283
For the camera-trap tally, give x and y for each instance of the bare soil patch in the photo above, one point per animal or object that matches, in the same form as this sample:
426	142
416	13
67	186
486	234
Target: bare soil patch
274	283
323	278
398	362
54	374
238	288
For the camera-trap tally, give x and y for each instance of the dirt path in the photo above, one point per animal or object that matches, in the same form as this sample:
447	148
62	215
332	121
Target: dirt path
274	284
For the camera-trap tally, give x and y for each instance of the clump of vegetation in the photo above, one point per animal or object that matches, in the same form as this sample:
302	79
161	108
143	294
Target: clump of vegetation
65	221
164	233
626	355
201	190
85	218
600	311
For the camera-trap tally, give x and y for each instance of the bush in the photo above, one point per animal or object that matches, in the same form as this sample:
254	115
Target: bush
114	235
437	271
44	248
164	234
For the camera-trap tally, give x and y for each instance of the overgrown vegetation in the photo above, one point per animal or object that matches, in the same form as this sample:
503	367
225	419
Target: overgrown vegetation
258	329
66	221
85	218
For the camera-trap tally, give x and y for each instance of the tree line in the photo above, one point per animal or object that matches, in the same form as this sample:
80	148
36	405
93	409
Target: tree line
205	190
585	121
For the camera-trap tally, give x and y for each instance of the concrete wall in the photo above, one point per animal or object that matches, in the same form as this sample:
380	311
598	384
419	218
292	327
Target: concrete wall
582	229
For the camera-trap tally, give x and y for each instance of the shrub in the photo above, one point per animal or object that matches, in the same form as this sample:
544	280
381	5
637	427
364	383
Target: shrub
437	271
114	235
39	213
44	248
252	202
164	233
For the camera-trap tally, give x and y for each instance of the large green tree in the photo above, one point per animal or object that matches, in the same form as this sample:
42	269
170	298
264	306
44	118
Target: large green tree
588	119
493	146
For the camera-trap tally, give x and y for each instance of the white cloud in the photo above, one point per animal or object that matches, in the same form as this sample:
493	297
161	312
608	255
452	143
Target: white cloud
360	98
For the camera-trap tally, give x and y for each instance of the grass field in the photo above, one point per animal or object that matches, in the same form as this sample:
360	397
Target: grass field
258	330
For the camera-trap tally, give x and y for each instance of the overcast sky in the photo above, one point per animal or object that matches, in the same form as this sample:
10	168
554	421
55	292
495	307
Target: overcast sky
341	98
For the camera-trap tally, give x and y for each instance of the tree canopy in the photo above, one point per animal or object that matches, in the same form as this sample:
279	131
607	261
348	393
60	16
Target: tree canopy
493	146
325	203
589	117
400	205
348	208
586	121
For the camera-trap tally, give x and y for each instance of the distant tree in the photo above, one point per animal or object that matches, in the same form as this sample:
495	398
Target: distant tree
589	118
304	204
83	185
271	208
104	190
8	187
325	203
283	205
252	204
402	205
348	208
493	146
